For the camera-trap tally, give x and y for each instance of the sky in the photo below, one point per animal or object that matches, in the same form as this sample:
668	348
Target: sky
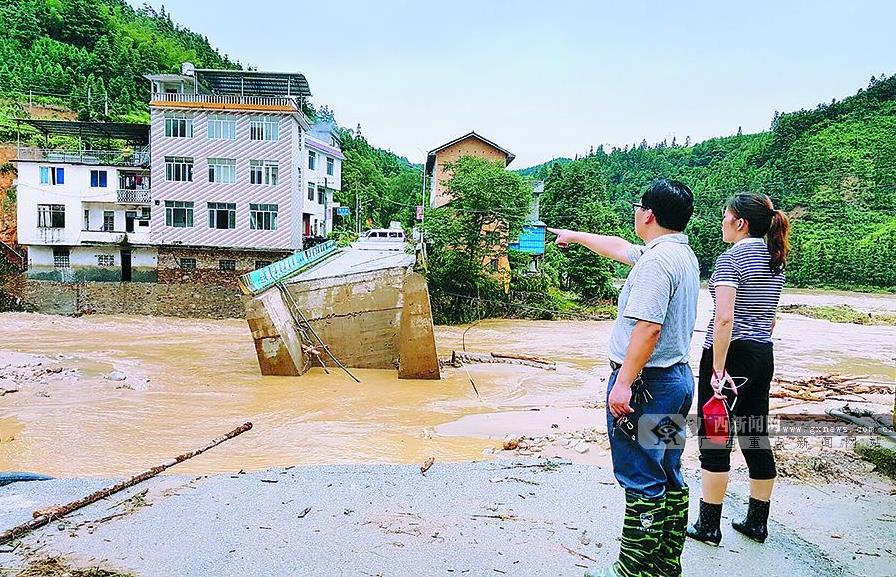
550	79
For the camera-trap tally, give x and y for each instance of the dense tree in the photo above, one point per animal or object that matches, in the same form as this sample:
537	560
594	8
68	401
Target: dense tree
384	185
488	207
64	47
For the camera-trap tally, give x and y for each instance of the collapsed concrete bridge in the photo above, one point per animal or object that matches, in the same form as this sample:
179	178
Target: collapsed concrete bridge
361	306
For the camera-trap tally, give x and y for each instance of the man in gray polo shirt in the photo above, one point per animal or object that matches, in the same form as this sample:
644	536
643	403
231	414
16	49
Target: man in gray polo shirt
650	390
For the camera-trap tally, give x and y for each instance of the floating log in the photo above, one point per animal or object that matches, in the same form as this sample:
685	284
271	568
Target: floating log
44	516
460	357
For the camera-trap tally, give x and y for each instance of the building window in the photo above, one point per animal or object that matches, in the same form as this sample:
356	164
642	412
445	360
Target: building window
312	159
311	187
178	214
188	263
105	260
52	175
178	125
51	215
263	172
179	168
86	219
261	264
227	264
222	215
263	216
331	163
222	170
320	194
264	128
221	127
62	258
108	220
98	178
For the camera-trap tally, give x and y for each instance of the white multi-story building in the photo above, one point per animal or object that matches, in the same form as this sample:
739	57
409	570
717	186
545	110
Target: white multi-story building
240	177
85	214
323	177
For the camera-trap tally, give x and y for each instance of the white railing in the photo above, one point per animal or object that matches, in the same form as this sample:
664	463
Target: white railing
139	157
114	236
292	102
134	196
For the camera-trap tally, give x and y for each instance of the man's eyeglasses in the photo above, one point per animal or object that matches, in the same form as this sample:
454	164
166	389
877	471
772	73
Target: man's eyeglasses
637	205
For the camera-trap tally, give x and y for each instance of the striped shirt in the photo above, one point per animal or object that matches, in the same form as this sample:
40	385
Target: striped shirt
745	266
661	288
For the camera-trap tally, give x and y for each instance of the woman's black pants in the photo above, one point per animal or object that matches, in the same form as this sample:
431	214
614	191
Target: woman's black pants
749	416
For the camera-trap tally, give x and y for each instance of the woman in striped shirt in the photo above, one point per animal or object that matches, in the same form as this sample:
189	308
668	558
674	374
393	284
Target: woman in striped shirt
737	363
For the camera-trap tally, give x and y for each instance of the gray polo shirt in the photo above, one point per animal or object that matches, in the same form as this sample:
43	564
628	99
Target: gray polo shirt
661	288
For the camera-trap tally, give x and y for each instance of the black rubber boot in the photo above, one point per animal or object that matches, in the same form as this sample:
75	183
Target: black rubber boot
706	528
755	525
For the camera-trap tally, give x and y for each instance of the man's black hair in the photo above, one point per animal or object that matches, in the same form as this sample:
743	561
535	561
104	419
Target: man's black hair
671	201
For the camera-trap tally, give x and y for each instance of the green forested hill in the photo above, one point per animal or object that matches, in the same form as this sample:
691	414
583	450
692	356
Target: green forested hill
67	48
539	171
833	169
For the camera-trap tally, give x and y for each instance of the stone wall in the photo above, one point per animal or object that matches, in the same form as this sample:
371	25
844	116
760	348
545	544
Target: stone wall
208	265
172	300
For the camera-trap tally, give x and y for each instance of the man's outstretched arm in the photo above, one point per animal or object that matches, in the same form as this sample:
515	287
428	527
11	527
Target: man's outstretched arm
613	247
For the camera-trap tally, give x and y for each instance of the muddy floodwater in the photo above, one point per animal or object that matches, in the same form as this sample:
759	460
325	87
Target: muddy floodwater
186	381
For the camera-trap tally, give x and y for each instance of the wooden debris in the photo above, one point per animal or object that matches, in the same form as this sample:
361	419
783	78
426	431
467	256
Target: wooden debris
501	516
458	358
577	554
426	465
824	387
44	516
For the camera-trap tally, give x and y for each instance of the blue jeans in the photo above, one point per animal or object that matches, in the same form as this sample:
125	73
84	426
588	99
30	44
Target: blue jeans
651	462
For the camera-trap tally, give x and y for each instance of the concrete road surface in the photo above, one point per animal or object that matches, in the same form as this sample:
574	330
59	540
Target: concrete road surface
481	519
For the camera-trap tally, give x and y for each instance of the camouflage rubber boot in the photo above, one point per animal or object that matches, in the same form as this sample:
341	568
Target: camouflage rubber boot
674	533
642	534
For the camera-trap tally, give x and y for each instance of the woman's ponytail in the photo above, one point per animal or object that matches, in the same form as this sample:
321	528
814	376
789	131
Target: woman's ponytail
764	221
778	242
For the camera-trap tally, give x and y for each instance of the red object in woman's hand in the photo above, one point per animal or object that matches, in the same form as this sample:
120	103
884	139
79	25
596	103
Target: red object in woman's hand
715	421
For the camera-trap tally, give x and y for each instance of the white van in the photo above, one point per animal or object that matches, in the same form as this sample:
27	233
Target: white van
381	239
383	235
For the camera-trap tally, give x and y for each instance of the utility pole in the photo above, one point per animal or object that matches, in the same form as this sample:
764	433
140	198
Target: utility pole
326	193
423	195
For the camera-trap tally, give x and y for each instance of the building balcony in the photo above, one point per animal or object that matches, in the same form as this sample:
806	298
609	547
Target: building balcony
138	157
114	236
134	196
227	102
